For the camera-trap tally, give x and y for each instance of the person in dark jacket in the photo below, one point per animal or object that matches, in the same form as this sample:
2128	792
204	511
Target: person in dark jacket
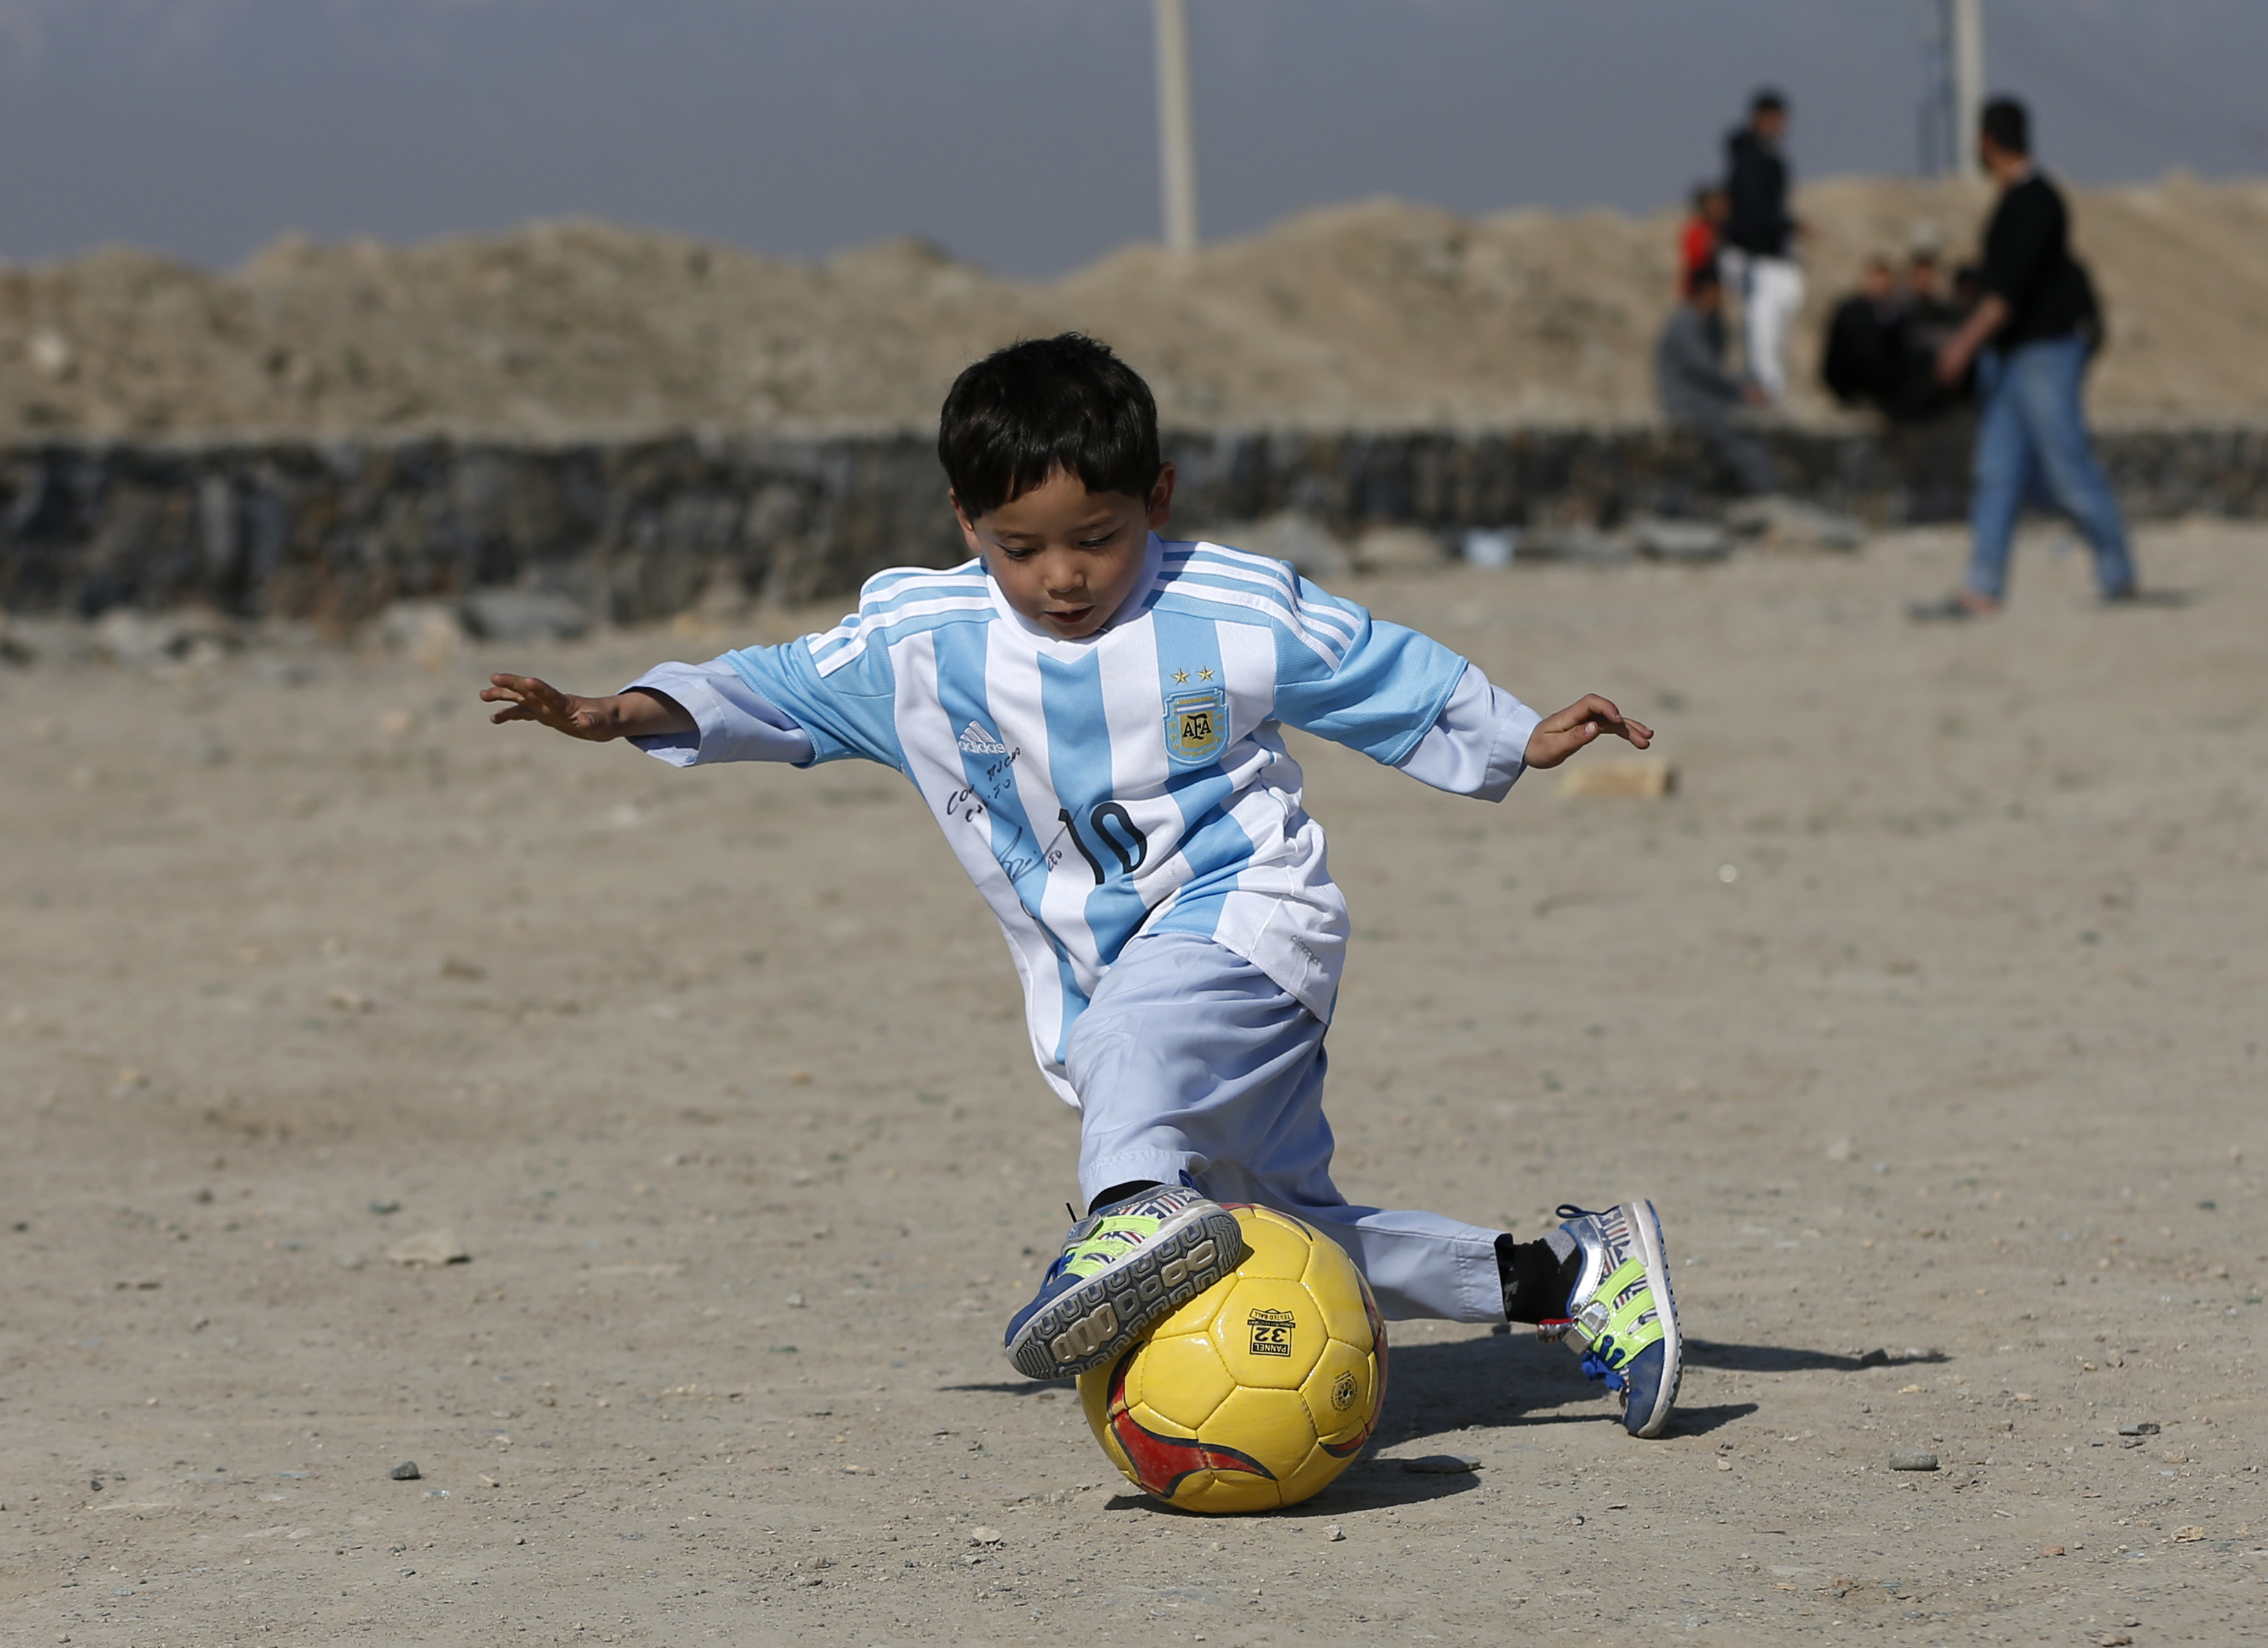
2031	336
1865	335
1927	317
1759	254
1926	299
1929	430
1696	392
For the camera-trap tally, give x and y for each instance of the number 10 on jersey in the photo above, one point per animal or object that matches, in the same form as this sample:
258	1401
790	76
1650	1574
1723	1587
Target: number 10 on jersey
1114	829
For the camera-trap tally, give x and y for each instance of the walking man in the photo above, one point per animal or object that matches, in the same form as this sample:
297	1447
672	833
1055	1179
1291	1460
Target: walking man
1759	235
2031	336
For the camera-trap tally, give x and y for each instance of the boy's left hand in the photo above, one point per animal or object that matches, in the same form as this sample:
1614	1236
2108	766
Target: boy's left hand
1559	735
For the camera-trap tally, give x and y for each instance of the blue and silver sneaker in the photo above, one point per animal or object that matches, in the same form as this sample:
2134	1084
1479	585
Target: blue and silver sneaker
1621	1314
1121	1267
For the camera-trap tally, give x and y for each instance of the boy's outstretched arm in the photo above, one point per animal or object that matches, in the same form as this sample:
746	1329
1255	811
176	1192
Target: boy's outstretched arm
1558	735
641	713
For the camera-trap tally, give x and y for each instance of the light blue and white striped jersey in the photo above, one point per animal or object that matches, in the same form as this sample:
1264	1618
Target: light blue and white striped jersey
1134	781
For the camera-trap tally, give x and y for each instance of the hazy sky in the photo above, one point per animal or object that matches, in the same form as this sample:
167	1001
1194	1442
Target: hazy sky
1016	132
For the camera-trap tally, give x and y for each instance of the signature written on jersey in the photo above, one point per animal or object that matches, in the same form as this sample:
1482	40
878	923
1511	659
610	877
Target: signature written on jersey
1019	856
966	804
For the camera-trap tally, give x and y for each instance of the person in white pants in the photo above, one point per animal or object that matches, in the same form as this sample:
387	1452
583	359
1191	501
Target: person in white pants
1759	234
1772	295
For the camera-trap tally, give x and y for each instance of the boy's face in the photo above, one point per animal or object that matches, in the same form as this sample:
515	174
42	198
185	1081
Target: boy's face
1067	558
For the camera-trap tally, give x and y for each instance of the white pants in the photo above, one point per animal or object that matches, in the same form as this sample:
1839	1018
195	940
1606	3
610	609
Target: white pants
1190	1058
1771	292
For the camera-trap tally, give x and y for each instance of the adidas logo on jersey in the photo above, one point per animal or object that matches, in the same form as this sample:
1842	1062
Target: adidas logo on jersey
978	741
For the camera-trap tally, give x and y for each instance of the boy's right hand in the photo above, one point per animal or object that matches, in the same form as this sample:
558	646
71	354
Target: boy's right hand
526	698
620	715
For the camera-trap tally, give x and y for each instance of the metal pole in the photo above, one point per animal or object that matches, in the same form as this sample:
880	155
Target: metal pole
1966	31
1177	144
1934	118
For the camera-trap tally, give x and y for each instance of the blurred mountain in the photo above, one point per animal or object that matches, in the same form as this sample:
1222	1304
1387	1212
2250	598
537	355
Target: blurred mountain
1377	314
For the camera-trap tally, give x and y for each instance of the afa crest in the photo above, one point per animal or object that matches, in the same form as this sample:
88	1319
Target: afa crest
1197	725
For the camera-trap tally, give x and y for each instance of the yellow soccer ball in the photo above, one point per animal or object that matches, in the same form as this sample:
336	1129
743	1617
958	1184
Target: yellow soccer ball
1257	1392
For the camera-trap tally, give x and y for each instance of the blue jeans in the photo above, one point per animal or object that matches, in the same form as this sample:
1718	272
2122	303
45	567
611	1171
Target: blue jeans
2031	437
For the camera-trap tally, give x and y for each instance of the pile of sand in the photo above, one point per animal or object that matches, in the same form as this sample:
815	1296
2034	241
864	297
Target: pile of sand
1376	315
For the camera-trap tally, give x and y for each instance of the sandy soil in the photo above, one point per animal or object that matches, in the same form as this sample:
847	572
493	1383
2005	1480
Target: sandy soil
1928	1007
1375	315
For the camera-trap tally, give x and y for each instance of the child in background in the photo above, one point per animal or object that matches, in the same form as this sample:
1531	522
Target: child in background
1093	716
1703	231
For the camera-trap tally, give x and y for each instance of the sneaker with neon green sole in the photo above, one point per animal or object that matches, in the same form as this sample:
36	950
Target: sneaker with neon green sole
1123	1267
1621	1314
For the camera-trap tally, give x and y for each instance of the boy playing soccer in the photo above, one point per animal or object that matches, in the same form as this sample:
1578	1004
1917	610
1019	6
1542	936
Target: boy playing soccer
1095	716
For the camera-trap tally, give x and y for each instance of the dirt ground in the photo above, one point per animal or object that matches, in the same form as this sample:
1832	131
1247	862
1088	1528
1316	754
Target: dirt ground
1928	1007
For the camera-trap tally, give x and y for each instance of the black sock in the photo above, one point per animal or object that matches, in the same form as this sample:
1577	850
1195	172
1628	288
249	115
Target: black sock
1119	1192
1537	1281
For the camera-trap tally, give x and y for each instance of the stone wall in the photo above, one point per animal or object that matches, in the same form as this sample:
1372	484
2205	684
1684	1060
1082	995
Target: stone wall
640	531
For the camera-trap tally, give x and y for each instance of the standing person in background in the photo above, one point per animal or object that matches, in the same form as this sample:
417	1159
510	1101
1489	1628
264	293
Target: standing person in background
2031	336
1703	231
1759	234
1928	320
1926	300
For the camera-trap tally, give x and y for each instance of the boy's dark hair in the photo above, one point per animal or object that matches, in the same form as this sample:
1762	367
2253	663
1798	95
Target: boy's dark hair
2007	124
1705	278
1768	100
1048	404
